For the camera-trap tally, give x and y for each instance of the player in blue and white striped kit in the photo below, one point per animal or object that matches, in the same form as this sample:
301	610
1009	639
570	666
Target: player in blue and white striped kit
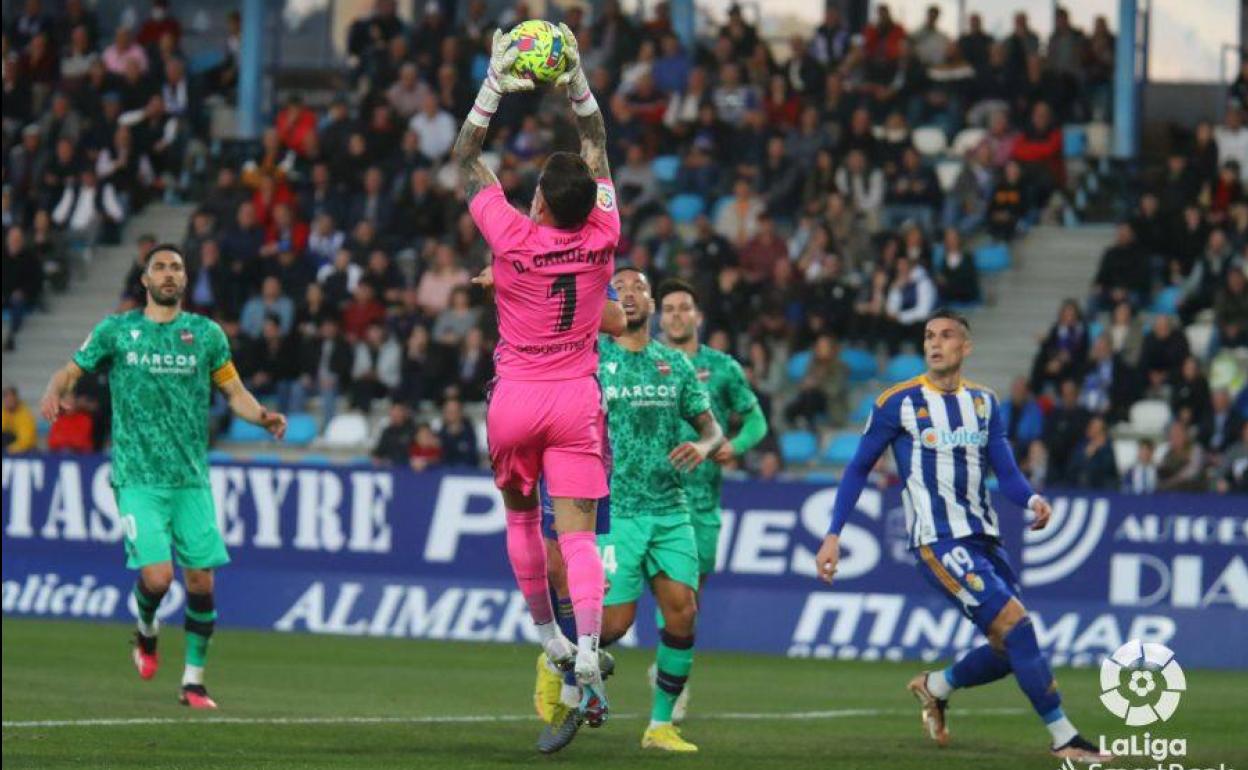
946	435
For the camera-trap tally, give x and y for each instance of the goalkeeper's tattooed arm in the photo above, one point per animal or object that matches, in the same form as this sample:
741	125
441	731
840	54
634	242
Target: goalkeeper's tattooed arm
589	122
475	174
498	81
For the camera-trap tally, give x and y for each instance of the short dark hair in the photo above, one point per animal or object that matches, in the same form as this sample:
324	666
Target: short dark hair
676	286
952	315
568	189
147	258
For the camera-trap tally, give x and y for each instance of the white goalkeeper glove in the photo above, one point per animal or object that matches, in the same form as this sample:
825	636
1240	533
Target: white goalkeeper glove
574	80
499	80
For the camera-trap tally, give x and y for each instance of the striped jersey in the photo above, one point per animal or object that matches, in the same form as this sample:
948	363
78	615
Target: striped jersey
944	444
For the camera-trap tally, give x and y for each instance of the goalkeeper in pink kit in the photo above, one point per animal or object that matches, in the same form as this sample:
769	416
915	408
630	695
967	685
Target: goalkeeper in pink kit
544	417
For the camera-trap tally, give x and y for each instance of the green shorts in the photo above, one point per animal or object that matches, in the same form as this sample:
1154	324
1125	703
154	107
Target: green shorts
706	528
155	518
640	547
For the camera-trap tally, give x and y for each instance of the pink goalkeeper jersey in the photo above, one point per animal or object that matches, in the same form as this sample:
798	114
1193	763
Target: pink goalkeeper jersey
550	286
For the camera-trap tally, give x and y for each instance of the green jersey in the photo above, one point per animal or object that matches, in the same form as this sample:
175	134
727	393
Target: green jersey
161	380
649	395
730	394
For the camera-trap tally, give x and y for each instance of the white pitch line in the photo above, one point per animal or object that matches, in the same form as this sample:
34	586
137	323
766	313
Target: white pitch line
466	719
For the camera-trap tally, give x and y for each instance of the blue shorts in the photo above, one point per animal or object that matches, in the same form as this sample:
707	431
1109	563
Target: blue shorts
972	572
602	526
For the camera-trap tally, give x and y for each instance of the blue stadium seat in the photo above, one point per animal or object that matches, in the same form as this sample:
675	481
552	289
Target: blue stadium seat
300	429
203	61
799	364
665	168
863	410
992	484
266	458
1167	301
992	258
314	459
719	206
798	446
42	427
1074	140
841	448
686	208
1095	330
938	256
821	477
243	432
861	363
904	367
219	456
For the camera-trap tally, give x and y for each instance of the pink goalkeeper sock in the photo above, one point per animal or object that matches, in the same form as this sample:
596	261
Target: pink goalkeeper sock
585	580
527	552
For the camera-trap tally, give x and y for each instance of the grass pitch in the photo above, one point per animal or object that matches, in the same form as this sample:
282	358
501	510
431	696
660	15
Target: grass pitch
72	699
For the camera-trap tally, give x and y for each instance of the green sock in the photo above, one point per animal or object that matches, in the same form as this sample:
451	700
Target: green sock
201	617
674	660
147	603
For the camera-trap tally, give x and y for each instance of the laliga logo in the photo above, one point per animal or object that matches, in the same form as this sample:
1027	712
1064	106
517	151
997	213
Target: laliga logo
1059	549
1154	678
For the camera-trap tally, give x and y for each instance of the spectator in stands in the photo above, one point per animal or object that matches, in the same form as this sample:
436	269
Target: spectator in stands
1182	465
362	311
1200	286
23	282
958	277
737	220
442	277
760	254
824	392
340	279
1232	139
1125	272
1035	465
1164	350
1109	385
966	204
209	288
475	366
1066	423
912	194
863	186
377	369
1230	309
457	437
1141	478
269	302
87	208
19	431
1092	465
325	361
1009	204
425	451
1190	400
911	300
1232	471
396	439
1126	334
123	52
1039	152
271	365
1022	417
1222	426
435	126
74	430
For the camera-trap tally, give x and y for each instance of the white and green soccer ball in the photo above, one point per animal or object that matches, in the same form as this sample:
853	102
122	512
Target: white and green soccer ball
541	46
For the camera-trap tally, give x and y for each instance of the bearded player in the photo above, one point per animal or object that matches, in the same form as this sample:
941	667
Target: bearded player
164	363
544	419
946	434
731	396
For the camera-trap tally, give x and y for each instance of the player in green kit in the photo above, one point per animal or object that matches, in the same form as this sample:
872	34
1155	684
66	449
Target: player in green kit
162	366
653	394
731	395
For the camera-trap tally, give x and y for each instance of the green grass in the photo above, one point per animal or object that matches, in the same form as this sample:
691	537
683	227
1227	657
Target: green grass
60	670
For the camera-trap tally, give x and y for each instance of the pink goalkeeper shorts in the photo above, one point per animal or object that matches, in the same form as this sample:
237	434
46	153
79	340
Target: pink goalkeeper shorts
547	428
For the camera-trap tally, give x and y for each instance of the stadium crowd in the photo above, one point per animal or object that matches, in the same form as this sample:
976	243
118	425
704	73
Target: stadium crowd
783	181
1164	330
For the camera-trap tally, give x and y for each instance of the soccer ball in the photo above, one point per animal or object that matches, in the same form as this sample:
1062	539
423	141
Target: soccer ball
541	56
